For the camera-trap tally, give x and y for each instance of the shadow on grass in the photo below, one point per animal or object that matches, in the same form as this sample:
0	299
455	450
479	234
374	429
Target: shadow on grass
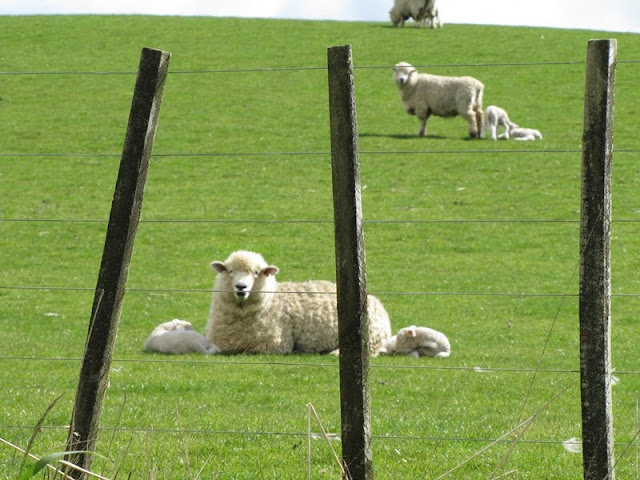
404	136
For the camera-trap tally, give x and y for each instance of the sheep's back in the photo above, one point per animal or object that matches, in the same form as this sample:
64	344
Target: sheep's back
445	96
311	310
408	7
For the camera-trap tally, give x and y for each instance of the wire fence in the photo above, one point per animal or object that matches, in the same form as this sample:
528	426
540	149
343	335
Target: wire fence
538	153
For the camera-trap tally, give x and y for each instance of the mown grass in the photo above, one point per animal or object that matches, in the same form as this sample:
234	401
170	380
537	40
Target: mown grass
484	234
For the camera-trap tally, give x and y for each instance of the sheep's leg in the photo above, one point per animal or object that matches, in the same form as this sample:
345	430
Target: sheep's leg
494	132
423	124
473	126
506	131
477	123
423	127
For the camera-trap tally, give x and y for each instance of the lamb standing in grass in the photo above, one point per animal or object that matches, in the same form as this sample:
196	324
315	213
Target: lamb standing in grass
424	95
178	336
495	117
253	313
431	17
419	342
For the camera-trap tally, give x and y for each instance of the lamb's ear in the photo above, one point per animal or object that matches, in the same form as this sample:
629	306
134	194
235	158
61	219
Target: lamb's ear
270	270
218	267
411	332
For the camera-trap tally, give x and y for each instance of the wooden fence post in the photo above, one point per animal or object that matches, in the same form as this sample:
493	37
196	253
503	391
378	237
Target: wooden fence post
350	268
110	288
595	268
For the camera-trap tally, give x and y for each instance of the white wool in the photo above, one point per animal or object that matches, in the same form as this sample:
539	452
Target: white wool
252	312
495	117
526	134
421	11
419	342
177	337
424	95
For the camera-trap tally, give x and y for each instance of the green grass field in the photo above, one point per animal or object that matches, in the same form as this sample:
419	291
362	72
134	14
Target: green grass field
478	239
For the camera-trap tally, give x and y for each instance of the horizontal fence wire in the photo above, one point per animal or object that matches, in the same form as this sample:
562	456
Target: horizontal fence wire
271	363
267	155
307	68
194	431
157	156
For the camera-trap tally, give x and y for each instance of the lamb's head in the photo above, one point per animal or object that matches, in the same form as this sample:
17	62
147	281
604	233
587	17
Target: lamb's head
406	340
245	275
422	341
402	73
177	324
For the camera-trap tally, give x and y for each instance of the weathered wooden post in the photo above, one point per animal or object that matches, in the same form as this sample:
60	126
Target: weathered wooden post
595	268
350	268
112	278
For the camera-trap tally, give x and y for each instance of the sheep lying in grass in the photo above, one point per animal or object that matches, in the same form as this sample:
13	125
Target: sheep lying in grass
251	312
178	336
525	134
424	95
419	342
495	117
403	10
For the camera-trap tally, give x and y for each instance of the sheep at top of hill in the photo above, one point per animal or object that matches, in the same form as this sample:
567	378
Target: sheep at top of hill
178	336
419	342
419	10
251	312
495	117
424	95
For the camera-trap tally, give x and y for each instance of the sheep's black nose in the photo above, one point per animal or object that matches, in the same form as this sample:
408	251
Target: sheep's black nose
241	286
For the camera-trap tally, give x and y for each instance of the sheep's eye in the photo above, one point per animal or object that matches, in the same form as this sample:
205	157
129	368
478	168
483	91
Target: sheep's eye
256	273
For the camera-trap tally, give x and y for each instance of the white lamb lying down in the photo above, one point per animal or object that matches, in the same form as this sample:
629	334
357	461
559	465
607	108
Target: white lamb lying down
525	134
178	336
495	117
419	342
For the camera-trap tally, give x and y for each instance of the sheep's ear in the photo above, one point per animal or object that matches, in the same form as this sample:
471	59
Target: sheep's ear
411	332
218	267
270	270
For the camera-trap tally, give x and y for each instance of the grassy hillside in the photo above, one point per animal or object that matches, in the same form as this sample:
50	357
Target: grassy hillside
478	239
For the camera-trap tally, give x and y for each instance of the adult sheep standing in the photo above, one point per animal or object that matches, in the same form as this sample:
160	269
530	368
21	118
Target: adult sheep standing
251	312
424	95
419	10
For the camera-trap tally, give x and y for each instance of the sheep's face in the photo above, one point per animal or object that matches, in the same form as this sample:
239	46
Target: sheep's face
246	275
402	72
396	17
